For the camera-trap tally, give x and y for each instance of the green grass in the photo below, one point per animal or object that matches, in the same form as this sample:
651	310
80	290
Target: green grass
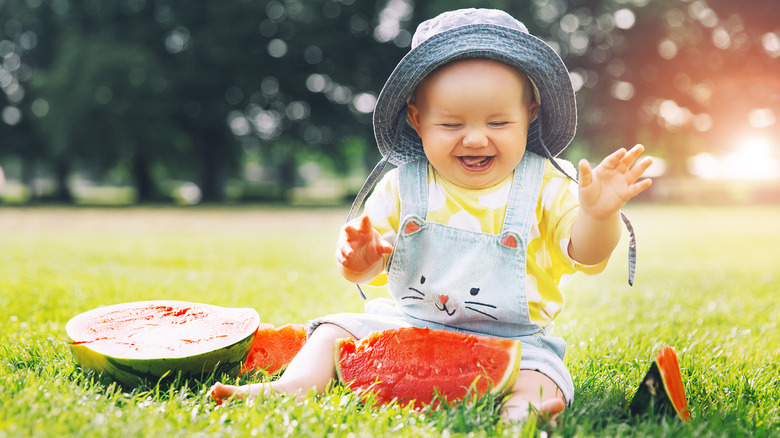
706	284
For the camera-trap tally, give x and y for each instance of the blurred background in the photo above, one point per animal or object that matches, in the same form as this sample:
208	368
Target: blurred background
168	101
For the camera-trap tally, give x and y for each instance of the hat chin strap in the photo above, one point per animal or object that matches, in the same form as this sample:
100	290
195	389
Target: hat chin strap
367	186
361	196
623	217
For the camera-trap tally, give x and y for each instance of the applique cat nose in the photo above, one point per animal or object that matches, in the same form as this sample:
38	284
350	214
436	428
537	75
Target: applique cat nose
443	299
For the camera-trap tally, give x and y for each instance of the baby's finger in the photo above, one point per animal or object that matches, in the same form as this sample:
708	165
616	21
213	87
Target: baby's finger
351	232
339	256
385	247
345	244
586	176
639	187
612	161
637	171
365	224
630	157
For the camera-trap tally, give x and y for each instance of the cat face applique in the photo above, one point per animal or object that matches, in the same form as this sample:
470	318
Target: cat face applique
450	304
461	279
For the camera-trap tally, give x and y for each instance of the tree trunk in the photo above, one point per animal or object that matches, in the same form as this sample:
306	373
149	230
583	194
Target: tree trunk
288	172
210	166
28	173
61	173
142	178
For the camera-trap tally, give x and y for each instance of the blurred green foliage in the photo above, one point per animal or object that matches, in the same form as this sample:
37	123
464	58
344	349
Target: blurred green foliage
238	94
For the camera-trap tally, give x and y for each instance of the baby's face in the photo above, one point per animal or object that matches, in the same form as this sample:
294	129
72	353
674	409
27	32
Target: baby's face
473	117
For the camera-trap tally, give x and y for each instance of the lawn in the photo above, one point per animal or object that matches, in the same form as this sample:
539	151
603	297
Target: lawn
706	283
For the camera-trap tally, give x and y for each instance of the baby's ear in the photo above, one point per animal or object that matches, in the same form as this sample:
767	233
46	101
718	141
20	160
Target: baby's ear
413	116
533	111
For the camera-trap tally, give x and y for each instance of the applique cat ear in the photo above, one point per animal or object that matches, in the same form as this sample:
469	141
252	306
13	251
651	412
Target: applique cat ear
509	241
411	227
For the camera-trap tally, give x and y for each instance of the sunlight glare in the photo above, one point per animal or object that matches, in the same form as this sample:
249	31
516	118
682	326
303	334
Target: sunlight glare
752	160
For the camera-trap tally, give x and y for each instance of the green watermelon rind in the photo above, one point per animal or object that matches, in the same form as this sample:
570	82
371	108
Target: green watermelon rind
132	371
505	385
500	388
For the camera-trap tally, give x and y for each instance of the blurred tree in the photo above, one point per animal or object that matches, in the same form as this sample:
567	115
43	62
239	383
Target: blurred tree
309	85
183	90
20	50
163	90
104	111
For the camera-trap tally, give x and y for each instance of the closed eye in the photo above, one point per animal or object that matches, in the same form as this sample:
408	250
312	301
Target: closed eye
450	125
498	124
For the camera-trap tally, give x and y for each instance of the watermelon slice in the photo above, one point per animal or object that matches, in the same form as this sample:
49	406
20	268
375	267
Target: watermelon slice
274	348
662	388
145	340
413	365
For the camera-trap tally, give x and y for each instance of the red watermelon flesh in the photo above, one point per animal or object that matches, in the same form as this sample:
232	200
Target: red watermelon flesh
412	365
274	348
670	372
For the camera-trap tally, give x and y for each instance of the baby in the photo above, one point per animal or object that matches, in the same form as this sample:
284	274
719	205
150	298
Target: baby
478	226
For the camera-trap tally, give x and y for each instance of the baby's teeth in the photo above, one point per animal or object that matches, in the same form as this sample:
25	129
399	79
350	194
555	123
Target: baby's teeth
473	161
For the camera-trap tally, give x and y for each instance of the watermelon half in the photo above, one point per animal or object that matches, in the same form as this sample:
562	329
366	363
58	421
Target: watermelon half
145	340
420	366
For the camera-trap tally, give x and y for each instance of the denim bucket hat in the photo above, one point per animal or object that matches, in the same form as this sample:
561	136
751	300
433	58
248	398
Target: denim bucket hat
483	33
471	33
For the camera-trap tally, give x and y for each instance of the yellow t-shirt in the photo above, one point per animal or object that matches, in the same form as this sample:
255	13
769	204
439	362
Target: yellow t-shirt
548	263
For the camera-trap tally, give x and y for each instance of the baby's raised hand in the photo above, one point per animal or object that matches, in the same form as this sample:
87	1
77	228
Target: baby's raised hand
360	250
604	189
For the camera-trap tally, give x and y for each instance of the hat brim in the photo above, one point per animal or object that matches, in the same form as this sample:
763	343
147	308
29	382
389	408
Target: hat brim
553	128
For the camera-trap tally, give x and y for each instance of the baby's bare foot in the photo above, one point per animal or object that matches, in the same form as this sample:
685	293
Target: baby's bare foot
522	410
551	408
221	391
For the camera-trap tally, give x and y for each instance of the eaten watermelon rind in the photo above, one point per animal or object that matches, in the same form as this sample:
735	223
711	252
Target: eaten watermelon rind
409	376
94	340
273	349
661	390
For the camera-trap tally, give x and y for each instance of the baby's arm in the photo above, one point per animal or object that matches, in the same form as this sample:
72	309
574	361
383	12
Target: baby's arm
360	251
602	192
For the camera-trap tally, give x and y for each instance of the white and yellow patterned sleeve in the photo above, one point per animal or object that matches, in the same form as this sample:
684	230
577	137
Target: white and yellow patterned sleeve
557	210
383	208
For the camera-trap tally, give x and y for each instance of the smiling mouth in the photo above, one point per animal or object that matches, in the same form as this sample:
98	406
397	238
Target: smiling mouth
444	309
476	163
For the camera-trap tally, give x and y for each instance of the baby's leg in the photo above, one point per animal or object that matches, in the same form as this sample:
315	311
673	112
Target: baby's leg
312	368
533	391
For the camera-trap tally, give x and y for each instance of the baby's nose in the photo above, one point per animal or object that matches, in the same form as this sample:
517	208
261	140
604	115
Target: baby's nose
475	139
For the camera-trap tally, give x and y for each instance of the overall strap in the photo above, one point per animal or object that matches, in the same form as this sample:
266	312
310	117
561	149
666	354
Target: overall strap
526	185
413	189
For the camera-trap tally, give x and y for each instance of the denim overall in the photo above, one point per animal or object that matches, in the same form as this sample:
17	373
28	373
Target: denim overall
442	277
450	278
